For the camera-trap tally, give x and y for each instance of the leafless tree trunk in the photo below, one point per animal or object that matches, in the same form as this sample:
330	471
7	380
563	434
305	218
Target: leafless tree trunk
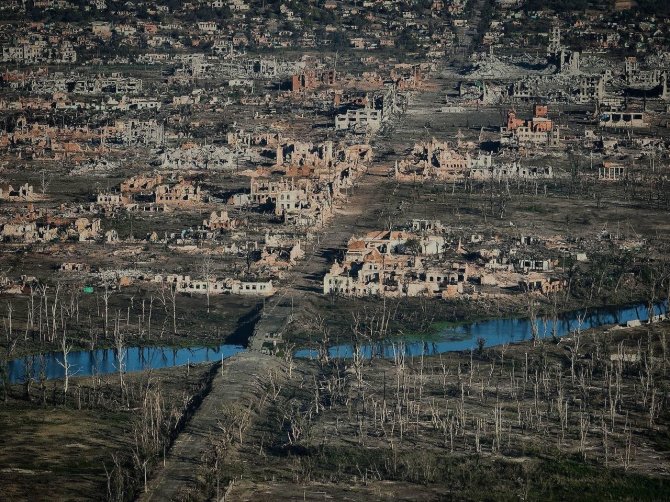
583	431
106	293
65	349
151	306
44	182
173	301
120	352
576	340
54	308
4	370
206	269
43	326
10	310
288	357
532	316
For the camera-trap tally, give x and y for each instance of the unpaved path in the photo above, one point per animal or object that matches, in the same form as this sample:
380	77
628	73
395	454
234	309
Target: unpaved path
238	381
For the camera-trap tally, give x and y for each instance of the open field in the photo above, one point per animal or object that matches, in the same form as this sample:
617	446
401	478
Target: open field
94	443
588	414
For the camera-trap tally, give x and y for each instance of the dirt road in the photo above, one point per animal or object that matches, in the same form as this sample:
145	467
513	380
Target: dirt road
237	382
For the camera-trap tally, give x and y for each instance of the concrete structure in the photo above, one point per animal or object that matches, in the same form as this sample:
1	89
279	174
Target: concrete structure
623	120
183	193
365	119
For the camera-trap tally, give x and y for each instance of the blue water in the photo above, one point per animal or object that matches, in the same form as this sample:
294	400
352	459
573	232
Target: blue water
494	332
104	361
457	338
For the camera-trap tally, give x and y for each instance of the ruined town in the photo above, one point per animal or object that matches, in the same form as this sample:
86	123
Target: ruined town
334	250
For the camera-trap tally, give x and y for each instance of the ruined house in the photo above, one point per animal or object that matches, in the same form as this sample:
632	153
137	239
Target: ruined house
338	166
297	201
29	232
134	132
215	286
542	284
437	160
640	78
141	183
623	120
110	200
426	226
74	267
220	221
21	194
111	237
87	230
396	263
610	171
591	89
183	193
195	157
278	257
311	79
538	131
512	170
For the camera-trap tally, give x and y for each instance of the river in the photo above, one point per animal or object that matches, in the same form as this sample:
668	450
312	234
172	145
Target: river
494	332
454	338
105	361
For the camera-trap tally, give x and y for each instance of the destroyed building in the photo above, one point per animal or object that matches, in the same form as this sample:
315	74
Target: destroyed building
196	157
134	132
182	193
220	221
22	193
538	131
395	264
436	160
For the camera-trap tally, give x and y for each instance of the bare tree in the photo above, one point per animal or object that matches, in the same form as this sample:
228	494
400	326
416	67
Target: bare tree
44	182
206	270
119	345
173	301
106	294
576	340
10	310
532	317
65	364
4	368
54	309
